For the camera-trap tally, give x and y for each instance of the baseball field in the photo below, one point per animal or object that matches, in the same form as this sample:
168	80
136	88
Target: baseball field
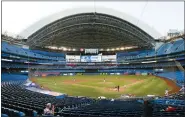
105	85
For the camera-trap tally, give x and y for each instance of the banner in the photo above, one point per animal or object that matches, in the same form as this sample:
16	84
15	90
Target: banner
108	58
73	58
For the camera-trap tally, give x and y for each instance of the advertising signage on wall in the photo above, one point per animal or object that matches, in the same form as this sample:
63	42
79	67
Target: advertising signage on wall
108	58
73	58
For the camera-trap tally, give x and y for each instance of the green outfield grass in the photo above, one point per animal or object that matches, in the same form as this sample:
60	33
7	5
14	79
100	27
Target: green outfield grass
94	86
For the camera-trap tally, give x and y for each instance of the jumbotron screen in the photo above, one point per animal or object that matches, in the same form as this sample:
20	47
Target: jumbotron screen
90	58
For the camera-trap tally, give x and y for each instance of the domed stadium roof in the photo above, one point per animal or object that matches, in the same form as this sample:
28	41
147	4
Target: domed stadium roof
90	28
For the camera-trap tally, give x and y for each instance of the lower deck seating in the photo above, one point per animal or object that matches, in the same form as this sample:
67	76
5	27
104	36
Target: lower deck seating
159	111
170	102
107	108
13	77
19	102
16	97
4	115
11	112
178	76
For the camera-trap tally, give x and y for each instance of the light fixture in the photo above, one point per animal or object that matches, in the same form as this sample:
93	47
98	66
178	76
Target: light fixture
122	48
81	49
64	49
117	48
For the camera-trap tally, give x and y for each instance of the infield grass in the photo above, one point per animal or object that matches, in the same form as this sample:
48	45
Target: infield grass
94	85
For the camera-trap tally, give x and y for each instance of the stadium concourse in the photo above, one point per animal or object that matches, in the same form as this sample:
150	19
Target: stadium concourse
81	42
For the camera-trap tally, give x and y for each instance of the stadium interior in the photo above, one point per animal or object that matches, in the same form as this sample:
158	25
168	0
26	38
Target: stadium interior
92	45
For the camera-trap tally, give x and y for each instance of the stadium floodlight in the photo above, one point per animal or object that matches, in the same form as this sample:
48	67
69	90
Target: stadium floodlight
149	62
122	48
117	48
101	49
69	49
171	59
112	49
46	63
74	49
108	49
124	63
60	48
24	71
53	47
14	56
6	60
64	49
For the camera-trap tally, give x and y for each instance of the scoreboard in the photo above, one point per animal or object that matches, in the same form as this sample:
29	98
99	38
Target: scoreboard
91	58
